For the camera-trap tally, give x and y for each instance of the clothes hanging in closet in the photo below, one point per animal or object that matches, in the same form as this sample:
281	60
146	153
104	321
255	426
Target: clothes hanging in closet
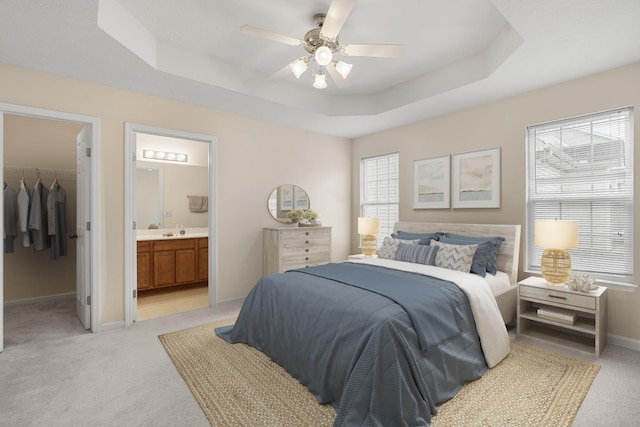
38	218
24	198
10	217
57	220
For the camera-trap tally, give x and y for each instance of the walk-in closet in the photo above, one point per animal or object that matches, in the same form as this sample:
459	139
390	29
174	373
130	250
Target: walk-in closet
40	159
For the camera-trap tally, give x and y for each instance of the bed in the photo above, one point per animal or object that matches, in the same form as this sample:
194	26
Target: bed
383	341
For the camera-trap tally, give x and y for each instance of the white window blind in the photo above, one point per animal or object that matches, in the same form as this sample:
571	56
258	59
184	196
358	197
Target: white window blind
379	190
582	169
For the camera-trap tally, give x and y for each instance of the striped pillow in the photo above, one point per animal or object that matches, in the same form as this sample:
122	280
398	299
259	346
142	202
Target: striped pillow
419	254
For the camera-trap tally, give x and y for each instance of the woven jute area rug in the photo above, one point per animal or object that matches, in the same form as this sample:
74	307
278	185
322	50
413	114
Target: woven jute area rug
237	385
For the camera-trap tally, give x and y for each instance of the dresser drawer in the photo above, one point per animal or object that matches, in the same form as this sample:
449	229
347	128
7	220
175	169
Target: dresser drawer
298	238
301	261
565	298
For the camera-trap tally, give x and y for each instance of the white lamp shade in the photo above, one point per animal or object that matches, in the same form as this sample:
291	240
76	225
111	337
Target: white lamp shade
343	68
320	81
368	225
323	55
299	66
556	234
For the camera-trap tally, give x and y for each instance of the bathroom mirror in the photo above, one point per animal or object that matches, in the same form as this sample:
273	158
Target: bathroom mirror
286	198
149	194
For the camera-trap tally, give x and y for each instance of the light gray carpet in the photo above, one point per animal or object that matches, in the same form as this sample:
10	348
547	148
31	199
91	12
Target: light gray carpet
54	373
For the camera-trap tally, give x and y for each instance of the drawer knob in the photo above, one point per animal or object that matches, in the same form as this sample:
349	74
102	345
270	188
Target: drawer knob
306	250
306	259
307	242
306	234
557	297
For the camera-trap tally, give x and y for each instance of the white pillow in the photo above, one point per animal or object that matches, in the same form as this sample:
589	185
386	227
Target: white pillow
454	257
390	245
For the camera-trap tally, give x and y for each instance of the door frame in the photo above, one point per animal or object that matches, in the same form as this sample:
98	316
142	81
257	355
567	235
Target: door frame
130	262
93	126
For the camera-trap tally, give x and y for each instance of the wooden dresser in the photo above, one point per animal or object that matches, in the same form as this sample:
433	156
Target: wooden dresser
287	248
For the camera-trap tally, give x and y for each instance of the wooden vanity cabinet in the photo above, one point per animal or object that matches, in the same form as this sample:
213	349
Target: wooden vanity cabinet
174	262
203	259
145	278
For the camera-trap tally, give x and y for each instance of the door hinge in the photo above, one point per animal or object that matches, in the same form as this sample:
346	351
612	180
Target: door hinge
88	151
134	157
88	299
88	226
134	225
135	293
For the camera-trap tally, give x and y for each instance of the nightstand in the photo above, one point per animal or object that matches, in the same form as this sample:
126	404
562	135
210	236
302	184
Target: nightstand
557	314
360	256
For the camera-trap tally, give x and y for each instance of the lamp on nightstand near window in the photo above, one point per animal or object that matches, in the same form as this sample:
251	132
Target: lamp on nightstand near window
368	227
556	236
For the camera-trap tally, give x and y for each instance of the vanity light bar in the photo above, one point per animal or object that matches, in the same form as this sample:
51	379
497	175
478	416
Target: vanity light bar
164	155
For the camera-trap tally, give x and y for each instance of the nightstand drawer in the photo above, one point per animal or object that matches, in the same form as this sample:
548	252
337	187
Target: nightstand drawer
565	298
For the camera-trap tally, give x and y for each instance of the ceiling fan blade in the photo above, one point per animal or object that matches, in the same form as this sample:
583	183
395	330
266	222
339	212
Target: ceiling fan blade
281	38
335	75
283	72
339	11
377	50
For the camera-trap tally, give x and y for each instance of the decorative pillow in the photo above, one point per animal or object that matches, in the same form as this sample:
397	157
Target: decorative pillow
424	238
389	247
486	258
454	257
419	254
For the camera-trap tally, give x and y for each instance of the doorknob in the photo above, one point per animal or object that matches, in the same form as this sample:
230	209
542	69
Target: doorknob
73	236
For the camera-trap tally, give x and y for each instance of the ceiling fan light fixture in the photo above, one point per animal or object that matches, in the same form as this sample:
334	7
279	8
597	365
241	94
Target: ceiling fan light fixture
343	68
323	55
299	66
320	81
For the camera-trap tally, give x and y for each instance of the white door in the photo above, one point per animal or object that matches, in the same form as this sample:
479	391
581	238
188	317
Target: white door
82	234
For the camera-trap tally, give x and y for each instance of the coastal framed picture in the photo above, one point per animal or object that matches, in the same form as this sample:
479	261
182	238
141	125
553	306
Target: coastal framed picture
431	183
476	179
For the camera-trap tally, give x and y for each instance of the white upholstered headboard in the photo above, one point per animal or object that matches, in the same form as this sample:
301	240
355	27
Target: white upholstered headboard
509	254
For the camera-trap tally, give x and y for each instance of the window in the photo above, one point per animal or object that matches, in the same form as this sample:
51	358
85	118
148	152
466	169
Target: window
582	169
380	188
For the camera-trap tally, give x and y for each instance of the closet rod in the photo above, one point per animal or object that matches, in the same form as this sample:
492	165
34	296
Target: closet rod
31	172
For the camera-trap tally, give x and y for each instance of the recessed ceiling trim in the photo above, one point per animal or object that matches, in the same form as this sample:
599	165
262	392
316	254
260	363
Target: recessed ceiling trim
116	21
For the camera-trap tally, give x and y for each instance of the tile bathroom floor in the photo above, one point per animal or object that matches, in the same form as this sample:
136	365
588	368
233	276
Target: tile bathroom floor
171	302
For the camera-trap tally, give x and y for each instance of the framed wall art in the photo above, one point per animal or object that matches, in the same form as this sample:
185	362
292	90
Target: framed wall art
476	179
431	183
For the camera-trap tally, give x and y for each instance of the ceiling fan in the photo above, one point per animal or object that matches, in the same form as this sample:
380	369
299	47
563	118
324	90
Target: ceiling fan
322	45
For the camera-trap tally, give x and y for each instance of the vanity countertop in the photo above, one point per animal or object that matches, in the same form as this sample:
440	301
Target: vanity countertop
160	234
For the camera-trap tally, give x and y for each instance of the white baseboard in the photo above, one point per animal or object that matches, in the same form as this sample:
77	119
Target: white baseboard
625	342
40	299
112	325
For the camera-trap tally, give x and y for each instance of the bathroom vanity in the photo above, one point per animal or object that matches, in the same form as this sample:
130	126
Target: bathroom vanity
170	261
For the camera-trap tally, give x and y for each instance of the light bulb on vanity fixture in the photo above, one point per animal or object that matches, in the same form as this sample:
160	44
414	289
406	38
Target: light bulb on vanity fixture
164	155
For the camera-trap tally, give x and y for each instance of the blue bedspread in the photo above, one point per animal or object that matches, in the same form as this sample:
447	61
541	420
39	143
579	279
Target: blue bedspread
358	348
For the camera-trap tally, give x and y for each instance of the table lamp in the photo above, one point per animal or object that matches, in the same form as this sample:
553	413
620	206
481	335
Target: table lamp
368	227
556	236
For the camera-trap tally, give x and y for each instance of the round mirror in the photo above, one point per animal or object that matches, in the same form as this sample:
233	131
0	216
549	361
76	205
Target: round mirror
285	199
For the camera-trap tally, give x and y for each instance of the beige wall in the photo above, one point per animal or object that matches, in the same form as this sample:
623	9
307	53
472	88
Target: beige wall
502	124
253	158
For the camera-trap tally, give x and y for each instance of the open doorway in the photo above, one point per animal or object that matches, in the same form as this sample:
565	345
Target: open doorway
49	151
170	248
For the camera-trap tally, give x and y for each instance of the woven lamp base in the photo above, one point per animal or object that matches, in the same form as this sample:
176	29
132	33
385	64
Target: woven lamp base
369	245
556	266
